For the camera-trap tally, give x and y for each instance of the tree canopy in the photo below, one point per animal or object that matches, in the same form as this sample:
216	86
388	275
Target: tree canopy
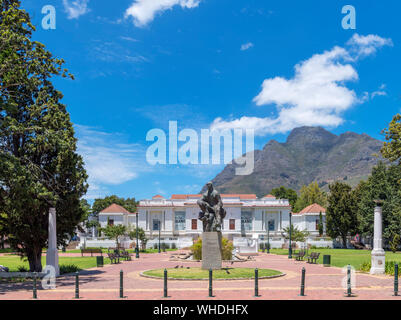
285	193
310	194
102	203
341	214
39	166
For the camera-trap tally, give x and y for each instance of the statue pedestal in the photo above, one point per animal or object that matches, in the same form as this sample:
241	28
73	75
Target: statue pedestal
211	251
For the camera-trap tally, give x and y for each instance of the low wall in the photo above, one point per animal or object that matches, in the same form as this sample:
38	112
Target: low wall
8	275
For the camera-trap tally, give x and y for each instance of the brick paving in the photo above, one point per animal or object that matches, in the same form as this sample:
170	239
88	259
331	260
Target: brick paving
103	283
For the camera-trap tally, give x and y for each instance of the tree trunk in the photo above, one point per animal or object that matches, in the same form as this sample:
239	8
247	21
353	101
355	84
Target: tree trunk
35	260
344	238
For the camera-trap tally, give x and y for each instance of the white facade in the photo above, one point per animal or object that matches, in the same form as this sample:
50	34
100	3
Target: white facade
246	216
308	219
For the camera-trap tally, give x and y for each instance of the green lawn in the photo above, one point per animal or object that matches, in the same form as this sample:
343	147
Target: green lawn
13	262
343	257
198	273
105	250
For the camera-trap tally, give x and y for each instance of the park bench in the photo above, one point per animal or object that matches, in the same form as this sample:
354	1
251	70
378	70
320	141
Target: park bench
91	251
125	255
313	257
300	255
114	257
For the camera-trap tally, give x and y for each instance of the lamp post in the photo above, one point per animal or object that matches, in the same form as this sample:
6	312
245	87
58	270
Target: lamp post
137	238
159	234
268	237
290	246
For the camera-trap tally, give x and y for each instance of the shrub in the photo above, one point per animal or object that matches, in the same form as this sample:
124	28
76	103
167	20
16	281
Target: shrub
155	246
68	268
227	248
22	269
389	268
173	246
394	243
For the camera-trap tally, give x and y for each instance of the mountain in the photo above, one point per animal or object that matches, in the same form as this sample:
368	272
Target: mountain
309	154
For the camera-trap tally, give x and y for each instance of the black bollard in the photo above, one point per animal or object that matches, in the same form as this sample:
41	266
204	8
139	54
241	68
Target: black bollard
349	281
256	282
77	285
396	279
210	283
35	294
302	293
121	284
165	283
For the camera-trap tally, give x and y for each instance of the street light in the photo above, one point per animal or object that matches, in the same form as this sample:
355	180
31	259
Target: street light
268	237
159	234
290	246
137	238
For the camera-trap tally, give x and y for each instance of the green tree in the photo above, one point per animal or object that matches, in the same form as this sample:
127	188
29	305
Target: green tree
384	183
114	232
102	203
391	149
320	225
296	234
39	166
141	236
309	195
395	242
341	215
285	193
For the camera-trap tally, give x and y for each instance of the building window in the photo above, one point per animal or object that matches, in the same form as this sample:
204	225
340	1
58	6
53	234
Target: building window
246	220
156	225
110	222
232	224
194	224
271	225
180	220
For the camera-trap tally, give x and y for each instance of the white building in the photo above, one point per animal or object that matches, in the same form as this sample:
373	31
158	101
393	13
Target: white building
176	219
308	219
246	216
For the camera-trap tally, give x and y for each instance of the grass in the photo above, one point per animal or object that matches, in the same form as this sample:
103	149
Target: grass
105	250
198	273
14	262
343	257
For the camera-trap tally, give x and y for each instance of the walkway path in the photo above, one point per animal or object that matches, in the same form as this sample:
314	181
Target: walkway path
103	283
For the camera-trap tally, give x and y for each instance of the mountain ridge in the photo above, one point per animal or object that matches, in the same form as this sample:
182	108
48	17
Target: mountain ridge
309	154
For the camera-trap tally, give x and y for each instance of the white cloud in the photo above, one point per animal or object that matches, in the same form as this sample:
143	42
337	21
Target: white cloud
317	94
367	45
144	11
379	92
76	8
246	46
108	161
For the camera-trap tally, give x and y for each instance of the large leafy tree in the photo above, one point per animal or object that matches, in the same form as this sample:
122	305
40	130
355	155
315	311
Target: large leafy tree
102	203
285	193
39	166
391	149
341	215
384	183
309	195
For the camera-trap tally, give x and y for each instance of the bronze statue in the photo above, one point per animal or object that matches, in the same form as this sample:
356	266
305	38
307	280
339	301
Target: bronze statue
212	213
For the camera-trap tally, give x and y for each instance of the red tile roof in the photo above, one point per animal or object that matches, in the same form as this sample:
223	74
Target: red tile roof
269	196
158	196
115	208
313	208
241	196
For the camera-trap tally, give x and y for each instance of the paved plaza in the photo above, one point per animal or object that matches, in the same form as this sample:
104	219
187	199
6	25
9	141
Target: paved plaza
103	283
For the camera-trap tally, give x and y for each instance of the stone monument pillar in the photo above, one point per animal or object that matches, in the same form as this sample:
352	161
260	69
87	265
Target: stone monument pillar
378	255
212	253
52	252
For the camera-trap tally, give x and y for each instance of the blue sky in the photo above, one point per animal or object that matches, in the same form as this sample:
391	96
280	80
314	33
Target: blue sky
142	63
